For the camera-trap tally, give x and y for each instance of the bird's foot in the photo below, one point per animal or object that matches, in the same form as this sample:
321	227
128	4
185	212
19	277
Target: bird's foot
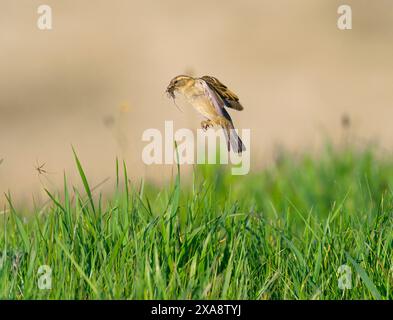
206	124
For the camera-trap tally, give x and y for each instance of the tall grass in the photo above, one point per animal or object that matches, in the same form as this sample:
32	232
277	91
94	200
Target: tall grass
282	233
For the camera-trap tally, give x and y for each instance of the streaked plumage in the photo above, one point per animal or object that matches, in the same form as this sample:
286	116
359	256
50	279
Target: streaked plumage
210	97
231	99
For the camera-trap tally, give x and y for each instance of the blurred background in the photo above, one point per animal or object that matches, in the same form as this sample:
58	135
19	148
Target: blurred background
97	80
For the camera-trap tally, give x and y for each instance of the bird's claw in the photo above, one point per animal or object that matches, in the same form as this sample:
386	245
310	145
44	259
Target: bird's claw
206	124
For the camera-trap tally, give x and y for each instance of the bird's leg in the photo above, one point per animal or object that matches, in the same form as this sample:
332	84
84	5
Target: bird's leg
206	124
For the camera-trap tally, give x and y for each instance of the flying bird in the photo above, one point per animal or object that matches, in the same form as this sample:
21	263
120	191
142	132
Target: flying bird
210	98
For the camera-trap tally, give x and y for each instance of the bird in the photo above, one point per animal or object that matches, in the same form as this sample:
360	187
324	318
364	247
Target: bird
210	97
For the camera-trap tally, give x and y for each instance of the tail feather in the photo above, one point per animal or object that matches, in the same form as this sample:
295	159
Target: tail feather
233	140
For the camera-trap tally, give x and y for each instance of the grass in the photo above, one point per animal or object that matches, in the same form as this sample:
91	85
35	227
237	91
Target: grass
282	233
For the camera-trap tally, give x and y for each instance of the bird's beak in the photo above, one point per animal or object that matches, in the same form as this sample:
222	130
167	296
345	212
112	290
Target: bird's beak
170	90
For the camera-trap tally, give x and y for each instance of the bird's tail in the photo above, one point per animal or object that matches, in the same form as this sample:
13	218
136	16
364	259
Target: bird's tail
233	139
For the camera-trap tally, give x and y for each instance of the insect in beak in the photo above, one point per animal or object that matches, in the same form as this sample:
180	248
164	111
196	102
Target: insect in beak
170	91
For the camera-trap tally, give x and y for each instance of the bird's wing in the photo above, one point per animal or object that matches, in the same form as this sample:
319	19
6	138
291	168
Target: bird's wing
230	99
219	104
216	100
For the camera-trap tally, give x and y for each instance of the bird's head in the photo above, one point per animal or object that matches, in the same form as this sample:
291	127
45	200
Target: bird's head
178	83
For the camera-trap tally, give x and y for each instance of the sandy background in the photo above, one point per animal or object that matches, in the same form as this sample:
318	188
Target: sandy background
96	81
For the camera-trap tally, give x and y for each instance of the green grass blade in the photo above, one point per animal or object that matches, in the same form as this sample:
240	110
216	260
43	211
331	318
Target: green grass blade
84	180
366	279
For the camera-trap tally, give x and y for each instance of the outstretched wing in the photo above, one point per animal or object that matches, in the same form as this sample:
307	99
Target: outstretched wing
229	130
216	100
230	99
